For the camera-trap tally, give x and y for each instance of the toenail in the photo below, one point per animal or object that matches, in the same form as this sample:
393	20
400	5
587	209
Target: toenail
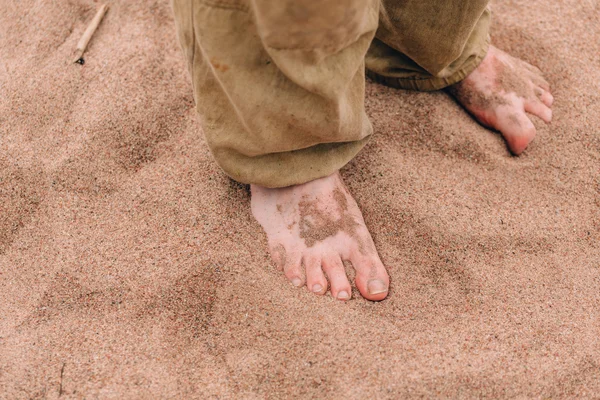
296	282
376	287
343	295
317	288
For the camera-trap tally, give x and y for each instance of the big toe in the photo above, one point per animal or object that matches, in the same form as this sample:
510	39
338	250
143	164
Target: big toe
372	280
517	130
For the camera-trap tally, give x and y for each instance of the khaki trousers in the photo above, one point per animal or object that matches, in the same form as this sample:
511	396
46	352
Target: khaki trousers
280	84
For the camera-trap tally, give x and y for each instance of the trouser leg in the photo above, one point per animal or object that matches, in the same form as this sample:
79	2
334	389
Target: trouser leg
279	84
428	45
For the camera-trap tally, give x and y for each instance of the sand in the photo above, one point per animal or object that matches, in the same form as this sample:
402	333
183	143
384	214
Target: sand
131	267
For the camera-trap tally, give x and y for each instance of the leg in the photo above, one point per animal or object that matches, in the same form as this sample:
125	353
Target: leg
280	87
434	45
428	45
277	109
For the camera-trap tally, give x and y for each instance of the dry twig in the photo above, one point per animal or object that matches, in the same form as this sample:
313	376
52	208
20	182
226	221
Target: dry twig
89	31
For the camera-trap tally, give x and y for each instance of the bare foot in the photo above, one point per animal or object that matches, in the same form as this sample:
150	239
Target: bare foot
499	92
311	229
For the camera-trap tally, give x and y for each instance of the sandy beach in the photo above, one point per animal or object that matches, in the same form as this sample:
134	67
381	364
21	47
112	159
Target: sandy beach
131	266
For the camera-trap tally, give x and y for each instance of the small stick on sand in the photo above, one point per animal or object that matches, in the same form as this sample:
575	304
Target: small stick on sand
87	35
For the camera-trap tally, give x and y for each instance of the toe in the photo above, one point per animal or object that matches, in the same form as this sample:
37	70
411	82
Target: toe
278	255
534	69
315	279
536	107
541	82
546	97
293	270
372	280
531	68
517	130
334	268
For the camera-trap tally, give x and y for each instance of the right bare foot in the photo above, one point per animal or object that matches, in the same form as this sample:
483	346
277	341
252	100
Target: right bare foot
312	228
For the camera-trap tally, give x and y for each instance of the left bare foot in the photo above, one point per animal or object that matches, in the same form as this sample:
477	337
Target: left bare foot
500	91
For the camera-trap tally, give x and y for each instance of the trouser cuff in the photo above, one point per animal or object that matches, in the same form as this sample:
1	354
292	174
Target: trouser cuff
430	83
